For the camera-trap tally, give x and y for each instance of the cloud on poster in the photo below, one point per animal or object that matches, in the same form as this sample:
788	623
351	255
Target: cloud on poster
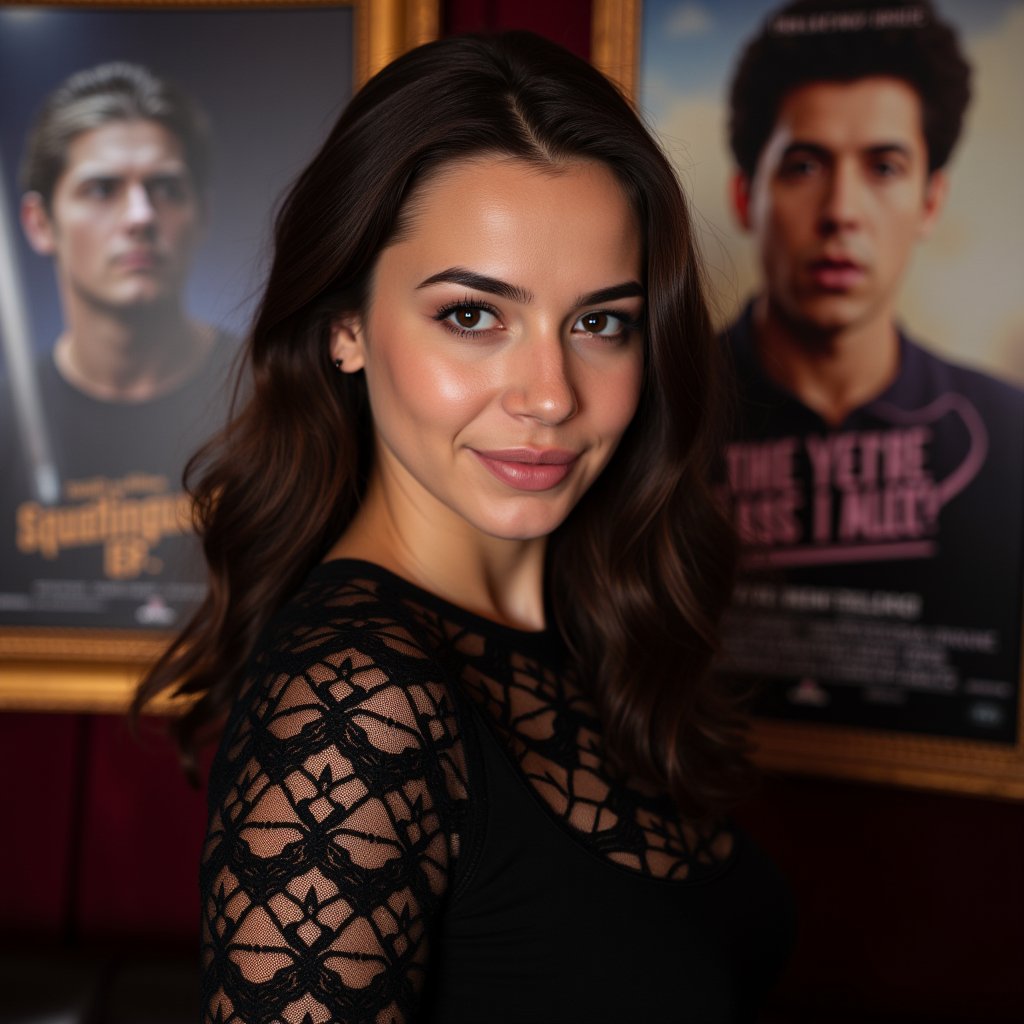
984	215
688	20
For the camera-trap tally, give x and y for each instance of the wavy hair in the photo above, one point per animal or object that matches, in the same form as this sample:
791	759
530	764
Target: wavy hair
640	571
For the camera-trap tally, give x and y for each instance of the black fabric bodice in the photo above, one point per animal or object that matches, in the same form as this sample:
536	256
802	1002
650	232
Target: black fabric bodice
412	820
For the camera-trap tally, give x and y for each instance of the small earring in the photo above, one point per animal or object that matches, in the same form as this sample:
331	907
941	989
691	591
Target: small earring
337	364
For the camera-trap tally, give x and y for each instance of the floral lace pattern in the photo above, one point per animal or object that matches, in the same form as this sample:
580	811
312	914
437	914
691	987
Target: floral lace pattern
340	798
552	730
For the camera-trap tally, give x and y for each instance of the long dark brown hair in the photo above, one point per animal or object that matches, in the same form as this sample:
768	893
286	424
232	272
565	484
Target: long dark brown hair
639	573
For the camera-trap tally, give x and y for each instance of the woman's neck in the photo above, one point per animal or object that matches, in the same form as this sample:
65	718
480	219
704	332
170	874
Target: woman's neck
499	579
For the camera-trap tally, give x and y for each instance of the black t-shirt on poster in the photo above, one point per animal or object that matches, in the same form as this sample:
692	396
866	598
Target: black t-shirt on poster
116	550
883	557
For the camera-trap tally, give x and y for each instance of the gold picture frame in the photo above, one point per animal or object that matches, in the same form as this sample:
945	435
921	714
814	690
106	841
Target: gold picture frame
96	669
615	41
902	758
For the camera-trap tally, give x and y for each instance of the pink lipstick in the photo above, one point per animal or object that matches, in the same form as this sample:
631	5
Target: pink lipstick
528	469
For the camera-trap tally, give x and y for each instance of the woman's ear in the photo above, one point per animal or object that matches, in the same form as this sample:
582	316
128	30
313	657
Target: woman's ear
347	347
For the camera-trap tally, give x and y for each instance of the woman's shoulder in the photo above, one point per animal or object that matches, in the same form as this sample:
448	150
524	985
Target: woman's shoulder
342	603
342	699
342	662
343	612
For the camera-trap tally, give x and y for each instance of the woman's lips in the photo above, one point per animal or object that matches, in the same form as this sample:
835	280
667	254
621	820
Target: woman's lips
836	275
529	469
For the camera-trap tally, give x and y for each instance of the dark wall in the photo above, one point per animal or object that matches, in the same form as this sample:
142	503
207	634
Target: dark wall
565	21
102	832
911	904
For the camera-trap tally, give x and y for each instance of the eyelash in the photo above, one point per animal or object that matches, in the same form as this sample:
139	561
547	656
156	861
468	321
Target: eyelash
446	311
629	324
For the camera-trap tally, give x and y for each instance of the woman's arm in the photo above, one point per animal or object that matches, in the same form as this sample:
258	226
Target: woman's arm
335	824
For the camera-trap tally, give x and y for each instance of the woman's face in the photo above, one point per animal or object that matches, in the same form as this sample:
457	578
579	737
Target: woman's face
502	345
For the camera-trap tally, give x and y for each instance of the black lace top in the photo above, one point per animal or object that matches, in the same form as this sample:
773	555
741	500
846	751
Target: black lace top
411	821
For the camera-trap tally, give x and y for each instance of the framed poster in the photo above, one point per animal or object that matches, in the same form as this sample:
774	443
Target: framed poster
879	490
143	148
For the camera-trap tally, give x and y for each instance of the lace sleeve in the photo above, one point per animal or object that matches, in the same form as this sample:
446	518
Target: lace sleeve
336	808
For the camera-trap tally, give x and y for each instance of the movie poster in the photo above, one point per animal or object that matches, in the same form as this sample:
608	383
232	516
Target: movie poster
882	529
134	246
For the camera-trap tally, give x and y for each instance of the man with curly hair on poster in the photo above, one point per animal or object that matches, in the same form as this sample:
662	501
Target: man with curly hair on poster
877	487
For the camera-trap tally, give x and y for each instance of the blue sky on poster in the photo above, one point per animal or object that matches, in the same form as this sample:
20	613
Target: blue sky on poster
690	45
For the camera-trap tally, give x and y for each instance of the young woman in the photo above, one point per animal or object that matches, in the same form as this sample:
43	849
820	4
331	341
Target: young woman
465	573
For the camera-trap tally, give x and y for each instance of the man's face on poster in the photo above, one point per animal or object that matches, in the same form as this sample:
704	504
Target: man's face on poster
124	217
840	196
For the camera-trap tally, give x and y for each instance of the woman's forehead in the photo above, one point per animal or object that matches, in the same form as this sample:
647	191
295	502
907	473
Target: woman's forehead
514	216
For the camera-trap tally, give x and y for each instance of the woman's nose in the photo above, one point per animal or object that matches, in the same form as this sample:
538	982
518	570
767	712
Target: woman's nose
541	387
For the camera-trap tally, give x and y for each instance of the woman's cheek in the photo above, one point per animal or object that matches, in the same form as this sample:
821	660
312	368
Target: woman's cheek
618	395
436	387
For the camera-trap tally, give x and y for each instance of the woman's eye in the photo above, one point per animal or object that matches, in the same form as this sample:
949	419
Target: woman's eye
472	319
604	325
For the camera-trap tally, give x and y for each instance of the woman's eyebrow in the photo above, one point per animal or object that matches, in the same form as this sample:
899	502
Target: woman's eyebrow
495	286
626	290
479	282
